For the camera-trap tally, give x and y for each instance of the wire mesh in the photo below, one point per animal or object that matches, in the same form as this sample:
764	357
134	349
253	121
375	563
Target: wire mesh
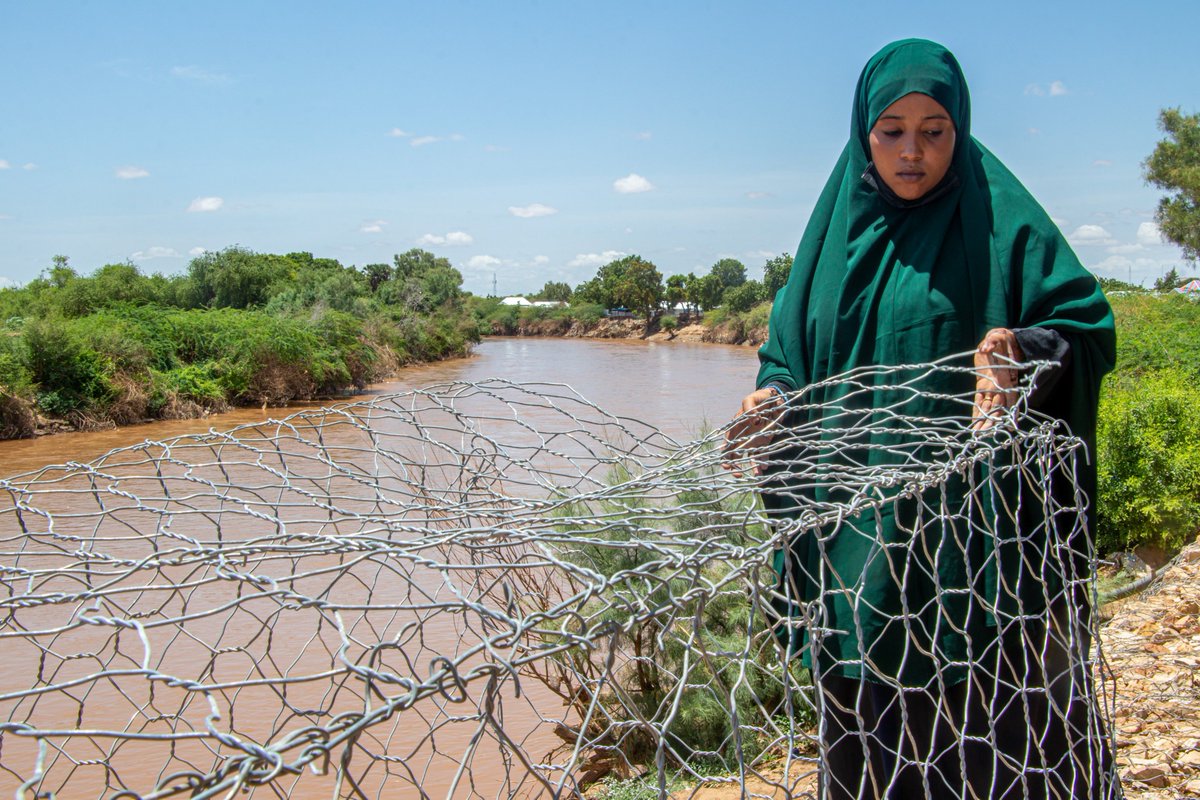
490	590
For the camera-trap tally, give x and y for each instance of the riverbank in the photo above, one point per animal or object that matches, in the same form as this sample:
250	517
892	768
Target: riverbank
43	425
721	333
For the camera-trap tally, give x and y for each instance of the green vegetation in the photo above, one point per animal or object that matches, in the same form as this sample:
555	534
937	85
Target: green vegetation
698	639
1175	166
1148	449
237	328
733	305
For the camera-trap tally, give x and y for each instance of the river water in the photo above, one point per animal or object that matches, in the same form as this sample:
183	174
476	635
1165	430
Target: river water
678	388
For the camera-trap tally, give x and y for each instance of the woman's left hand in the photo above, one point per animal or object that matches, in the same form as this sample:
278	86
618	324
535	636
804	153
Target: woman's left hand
996	361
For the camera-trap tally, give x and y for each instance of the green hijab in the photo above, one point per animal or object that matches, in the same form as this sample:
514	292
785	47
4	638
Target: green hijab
881	281
983	254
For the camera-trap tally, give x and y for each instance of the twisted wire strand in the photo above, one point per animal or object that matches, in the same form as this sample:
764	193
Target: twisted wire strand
493	589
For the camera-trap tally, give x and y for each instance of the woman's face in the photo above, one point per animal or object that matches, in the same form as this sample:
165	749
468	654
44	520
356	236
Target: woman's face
912	144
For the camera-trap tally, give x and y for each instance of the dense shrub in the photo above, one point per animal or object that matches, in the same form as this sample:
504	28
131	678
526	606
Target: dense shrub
239	328
1156	332
1148	457
70	375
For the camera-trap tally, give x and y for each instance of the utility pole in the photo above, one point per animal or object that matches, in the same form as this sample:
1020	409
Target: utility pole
494	285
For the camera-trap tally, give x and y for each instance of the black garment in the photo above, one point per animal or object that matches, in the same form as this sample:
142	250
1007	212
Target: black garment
1023	725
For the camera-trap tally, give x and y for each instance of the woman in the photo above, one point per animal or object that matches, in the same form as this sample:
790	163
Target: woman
923	245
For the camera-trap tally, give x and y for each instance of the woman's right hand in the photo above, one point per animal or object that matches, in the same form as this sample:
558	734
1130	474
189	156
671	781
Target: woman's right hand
752	430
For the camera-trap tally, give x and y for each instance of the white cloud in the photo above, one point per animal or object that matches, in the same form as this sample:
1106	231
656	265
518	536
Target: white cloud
1035	131
1059	221
398	133
494	148
532	210
1101	162
632	184
7	283
595	259
758	195
155	252
197	251
1125	249
199	74
1088	235
4	164
206	204
643	136
483	262
540	260
452	238
1056	89
421	141
29	167
374	226
1149	234
130	173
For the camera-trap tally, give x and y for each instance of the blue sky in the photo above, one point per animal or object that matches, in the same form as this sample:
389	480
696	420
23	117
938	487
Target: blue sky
535	141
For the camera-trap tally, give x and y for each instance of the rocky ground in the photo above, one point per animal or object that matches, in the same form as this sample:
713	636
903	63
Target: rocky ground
1152	646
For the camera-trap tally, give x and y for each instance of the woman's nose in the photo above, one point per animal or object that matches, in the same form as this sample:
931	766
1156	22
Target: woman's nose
910	150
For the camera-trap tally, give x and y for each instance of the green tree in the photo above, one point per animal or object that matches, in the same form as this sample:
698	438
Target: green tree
730	272
775	274
555	290
60	273
590	291
1167	282
376	275
632	282
422	281
706	292
741	299
1110	285
236	277
1175	166
676	289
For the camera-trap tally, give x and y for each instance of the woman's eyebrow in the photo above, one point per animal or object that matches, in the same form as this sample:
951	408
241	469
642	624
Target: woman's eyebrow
901	116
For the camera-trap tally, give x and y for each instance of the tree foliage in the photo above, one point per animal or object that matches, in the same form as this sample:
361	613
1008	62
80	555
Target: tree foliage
630	282
729	272
1110	285
775	274
706	292
1175	167
555	290
238	327
741	299
676	289
1149	462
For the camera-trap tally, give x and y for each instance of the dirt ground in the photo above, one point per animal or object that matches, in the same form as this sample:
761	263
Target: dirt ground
1152	646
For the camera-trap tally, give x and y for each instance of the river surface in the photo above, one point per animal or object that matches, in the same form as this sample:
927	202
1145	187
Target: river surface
679	388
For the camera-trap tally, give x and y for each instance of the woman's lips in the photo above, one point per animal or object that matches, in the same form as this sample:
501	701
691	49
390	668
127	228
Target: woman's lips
910	176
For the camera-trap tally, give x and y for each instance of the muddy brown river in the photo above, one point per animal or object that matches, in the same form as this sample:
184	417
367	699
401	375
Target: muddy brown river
678	387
